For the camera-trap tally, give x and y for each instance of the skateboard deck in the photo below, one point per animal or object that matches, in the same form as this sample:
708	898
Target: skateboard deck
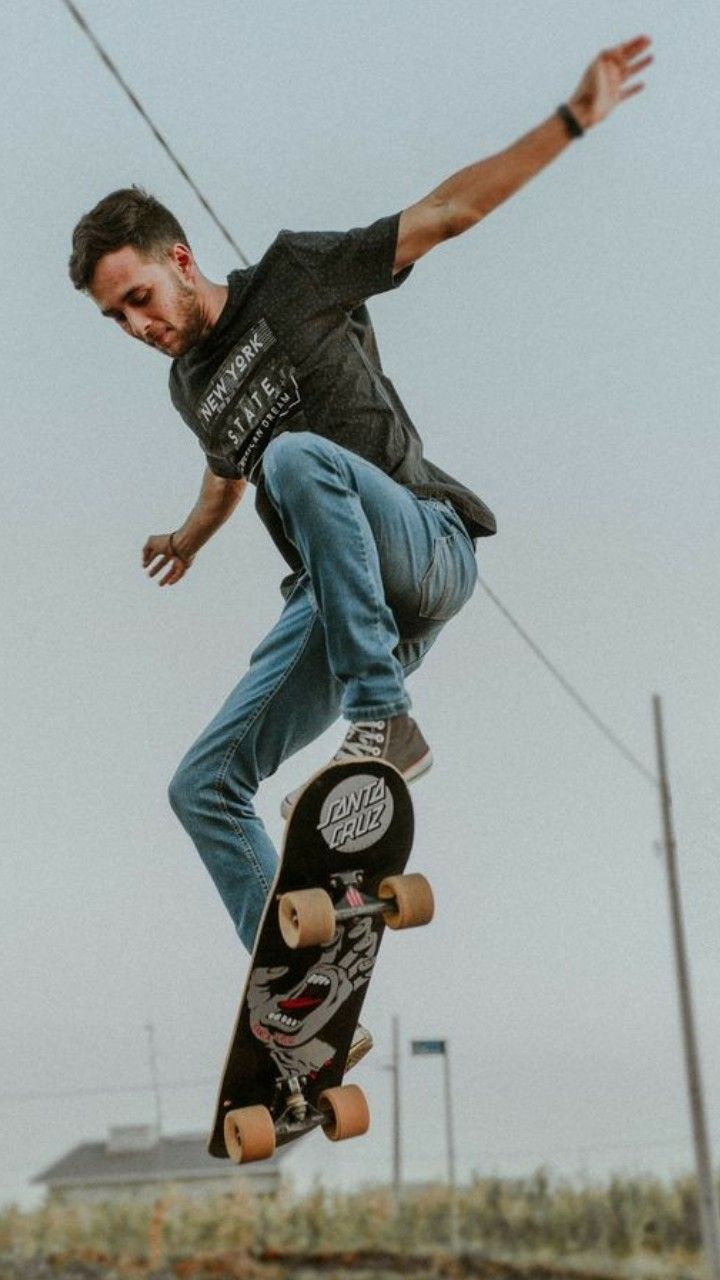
347	839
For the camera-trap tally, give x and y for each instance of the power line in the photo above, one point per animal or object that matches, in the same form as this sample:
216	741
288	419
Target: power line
516	1153
589	1148
536	1153
98	1091
102	53
583	1148
569	688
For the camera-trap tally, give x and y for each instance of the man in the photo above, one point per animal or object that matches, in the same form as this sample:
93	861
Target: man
278	375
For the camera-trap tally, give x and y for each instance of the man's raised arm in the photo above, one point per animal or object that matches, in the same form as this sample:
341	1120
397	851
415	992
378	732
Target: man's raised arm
217	500
471	194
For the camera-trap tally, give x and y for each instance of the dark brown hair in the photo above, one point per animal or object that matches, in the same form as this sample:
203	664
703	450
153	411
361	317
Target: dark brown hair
127	217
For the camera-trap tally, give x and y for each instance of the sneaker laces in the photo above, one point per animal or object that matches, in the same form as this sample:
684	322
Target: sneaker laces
362	739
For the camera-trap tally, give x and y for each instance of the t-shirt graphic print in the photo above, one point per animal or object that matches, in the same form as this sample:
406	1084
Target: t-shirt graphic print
254	387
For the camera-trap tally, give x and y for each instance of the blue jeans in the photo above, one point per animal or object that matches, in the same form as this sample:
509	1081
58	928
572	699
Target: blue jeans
384	571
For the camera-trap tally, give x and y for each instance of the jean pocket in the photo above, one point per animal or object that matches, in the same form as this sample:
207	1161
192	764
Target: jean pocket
450	580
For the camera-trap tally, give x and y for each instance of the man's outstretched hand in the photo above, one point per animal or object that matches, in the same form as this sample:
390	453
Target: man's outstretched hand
160	552
609	80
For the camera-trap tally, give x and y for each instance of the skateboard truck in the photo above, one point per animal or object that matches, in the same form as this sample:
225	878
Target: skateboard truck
297	1116
309	917
252	1133
369	906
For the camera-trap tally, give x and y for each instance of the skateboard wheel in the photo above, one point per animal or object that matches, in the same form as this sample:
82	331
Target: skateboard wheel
306	918
414	903
348	1113
249	1134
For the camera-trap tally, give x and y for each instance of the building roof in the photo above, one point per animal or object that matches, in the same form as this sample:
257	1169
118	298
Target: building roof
163	1159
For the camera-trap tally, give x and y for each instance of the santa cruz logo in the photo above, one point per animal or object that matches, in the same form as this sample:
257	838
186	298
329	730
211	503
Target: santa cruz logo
357	813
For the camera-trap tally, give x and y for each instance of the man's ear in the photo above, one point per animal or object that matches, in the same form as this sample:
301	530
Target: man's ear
183	259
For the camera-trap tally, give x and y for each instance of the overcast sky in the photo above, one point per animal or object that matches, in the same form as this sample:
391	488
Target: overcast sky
561	359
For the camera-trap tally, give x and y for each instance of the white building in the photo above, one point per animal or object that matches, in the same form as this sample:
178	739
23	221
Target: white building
137	1163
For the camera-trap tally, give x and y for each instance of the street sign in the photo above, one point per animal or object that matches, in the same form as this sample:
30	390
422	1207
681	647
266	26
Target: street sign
424	1047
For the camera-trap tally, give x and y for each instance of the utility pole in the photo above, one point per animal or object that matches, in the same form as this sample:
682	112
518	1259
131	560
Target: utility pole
709	1218
450	1135
397	1147
150	1028
440	1048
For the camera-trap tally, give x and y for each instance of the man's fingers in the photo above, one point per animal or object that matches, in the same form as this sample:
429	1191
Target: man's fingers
631	48
637	67
157	557
152	550
630	93
175	574
159	561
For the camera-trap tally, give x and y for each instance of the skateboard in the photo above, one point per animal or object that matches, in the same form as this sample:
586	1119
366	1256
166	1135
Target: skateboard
339	882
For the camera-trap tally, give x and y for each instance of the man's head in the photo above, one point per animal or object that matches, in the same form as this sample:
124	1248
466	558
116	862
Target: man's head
131	255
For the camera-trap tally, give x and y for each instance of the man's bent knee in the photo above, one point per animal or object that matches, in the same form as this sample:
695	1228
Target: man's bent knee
181	790
196	792
286	459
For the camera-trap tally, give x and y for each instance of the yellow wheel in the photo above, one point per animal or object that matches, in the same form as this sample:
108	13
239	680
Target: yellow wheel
414	904
306	918
249	1134
348	1114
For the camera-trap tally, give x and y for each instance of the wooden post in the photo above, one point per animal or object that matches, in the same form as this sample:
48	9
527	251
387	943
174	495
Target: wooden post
156	1251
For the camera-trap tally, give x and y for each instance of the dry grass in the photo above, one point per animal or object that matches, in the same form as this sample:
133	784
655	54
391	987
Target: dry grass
645	1225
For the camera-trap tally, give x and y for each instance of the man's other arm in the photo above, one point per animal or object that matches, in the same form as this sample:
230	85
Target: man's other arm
473	193
217	500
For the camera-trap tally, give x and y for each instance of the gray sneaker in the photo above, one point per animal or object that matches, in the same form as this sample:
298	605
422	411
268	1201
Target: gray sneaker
397	740
362	1043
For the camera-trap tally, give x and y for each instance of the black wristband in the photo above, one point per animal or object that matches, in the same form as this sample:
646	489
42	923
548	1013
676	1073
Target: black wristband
571	122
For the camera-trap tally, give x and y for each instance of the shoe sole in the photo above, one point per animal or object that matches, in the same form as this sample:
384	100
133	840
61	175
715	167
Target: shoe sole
415	771
420	767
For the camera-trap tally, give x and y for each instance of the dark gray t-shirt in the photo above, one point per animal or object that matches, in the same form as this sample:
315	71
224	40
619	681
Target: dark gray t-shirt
294	350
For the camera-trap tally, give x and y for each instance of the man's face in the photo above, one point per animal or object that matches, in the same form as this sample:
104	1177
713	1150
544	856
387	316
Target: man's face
154	301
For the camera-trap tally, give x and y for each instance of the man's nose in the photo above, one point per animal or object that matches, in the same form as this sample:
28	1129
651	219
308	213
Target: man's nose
139	325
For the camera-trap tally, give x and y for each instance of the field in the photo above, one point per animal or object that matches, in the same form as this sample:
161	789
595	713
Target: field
535	1228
